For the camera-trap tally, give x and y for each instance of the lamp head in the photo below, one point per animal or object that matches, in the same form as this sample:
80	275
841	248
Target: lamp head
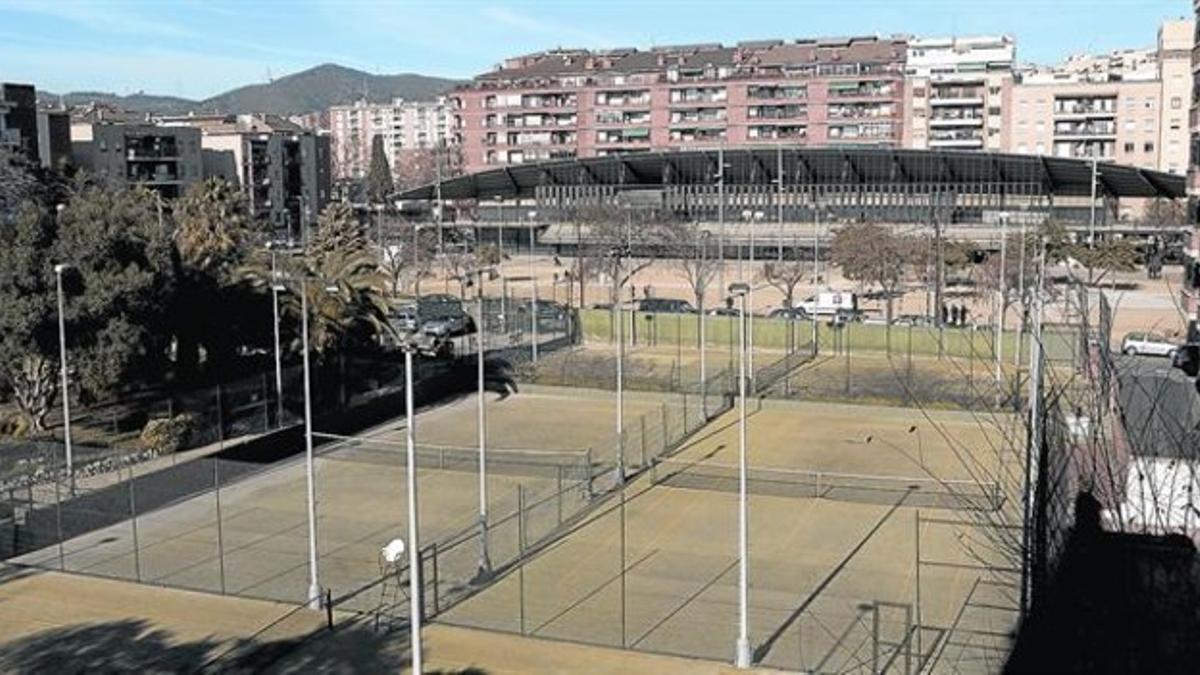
62	267
739	288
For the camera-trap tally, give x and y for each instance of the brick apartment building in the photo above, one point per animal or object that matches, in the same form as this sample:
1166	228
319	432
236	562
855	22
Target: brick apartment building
579	103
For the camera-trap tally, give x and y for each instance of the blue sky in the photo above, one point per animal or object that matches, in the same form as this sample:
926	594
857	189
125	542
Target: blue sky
198	48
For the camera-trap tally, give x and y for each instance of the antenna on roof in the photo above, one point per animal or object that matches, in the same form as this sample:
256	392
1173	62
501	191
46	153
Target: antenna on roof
269	78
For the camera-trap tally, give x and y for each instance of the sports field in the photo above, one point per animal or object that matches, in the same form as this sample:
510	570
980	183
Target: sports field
250	537
833	571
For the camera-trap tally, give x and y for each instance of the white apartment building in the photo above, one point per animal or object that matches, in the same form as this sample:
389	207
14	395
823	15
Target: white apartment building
404	125
958	93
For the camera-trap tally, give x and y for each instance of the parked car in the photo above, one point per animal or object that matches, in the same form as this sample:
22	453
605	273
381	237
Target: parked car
1148	344
786	313
723	311
915	320
666	306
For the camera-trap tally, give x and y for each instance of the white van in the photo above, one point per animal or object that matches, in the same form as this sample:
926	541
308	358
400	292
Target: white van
826	303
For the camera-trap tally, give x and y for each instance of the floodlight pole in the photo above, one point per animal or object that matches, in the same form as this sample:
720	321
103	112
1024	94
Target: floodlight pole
314	587
278	358
1001	291
62	361
534	304
414	557
721	214
484	571
742	657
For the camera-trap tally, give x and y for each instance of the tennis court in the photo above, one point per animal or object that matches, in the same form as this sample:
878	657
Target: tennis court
250	536
835	582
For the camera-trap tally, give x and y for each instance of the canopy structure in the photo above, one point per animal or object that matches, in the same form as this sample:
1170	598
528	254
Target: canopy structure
796	167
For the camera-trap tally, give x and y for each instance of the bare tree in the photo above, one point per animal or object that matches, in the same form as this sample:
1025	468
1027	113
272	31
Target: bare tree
785	275
688	245
411	255
619	242
873	254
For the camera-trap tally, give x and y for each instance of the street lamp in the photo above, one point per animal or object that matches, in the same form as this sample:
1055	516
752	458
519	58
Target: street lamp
533	282
704	237
414	557
484	571
275	290
617	253
62	360
741	290
314	587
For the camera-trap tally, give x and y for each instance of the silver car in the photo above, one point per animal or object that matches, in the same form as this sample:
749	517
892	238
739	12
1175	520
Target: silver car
1148	344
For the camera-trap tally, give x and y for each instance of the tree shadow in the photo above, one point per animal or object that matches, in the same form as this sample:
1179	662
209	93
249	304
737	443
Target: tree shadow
135	645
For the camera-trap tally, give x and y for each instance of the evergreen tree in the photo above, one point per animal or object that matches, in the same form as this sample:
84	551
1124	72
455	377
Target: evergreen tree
379	177
338	229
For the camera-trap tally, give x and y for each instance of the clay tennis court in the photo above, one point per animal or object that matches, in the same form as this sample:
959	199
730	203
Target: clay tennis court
833	578
542	439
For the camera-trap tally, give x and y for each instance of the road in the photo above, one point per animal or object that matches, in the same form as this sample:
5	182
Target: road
1161	406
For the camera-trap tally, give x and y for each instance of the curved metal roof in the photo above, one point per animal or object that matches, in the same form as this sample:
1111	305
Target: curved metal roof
807	166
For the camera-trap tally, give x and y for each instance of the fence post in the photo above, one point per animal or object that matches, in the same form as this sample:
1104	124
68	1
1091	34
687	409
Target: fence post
665	431
137	555
559	490
588	476
642	422
521	553
62	564
437	608
220	530
266	404
220	416
685	415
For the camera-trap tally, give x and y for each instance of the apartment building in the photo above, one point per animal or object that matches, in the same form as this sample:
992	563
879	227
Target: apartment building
43	136
578	103
959	93
407	128
1126	108
284	169
167	160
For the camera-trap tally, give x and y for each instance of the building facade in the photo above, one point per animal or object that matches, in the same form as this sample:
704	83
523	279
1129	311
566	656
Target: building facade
167	160
407	128
577	103
284	169
959	93
18	119
1128	107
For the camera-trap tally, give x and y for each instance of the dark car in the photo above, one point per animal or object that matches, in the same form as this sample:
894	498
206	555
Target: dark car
786	313
666	306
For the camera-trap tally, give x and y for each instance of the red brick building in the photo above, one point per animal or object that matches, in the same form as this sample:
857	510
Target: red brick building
576	103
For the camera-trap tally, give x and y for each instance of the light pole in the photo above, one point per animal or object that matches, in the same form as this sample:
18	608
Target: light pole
1000	293
533	283
721	214
484	570
742	658
414	557
314	587
704	236
275	326
617	254
62	361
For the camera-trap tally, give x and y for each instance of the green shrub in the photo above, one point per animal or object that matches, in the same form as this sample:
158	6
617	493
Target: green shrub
166	435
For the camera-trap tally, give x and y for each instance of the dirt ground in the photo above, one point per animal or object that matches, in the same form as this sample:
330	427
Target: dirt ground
659	572
360	503
1142	304
54	622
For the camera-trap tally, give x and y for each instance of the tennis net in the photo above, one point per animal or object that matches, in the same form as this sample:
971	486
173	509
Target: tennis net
567	464
781	482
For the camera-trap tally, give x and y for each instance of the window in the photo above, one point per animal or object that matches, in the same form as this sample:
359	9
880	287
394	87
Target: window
1148	147
1129	147
1176	103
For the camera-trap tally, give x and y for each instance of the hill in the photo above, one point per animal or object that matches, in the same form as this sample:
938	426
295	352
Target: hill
306	91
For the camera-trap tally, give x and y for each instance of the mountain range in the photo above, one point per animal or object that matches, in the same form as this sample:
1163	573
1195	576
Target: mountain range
303	92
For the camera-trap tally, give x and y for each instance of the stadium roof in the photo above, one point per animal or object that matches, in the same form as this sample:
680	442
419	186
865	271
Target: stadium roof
808	166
